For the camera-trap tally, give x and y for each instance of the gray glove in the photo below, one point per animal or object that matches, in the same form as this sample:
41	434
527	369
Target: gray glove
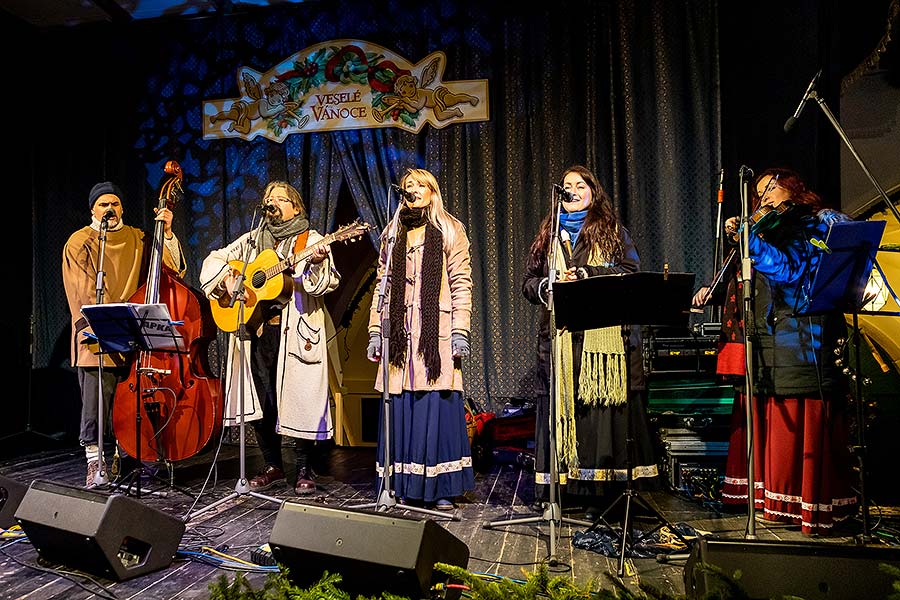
373	350
460	343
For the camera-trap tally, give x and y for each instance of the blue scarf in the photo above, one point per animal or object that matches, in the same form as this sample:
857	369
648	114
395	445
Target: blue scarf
572	222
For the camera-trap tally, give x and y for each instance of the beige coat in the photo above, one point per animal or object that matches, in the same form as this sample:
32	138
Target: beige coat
123	263
455	312
305	353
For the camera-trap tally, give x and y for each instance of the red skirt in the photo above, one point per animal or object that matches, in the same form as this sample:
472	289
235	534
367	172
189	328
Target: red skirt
802	464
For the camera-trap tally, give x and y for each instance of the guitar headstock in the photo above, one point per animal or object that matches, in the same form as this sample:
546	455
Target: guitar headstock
352	231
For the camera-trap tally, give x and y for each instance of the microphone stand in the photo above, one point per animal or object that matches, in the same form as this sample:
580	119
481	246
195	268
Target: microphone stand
101	478
386	499
552	513
238	294
747	279
860	449
837	126
719	250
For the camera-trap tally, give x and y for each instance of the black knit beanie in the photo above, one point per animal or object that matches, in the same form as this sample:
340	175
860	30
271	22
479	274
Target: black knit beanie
104	187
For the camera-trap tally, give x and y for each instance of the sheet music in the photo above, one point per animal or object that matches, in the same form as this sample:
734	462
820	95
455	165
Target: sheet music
128	326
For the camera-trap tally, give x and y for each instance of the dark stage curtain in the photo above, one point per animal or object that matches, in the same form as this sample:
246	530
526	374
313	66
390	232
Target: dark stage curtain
629	89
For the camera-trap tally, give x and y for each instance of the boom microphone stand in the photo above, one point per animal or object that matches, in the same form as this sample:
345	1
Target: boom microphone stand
386	498
242	486
552	513
861	448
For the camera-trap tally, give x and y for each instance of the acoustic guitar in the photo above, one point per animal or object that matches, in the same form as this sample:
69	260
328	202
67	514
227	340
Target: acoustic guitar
268	281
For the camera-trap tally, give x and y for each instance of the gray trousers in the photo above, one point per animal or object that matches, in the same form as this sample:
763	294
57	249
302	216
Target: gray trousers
89	382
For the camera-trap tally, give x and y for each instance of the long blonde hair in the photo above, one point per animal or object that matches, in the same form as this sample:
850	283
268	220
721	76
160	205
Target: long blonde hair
436	212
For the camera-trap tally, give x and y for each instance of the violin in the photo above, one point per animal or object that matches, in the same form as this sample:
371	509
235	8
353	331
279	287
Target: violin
765	218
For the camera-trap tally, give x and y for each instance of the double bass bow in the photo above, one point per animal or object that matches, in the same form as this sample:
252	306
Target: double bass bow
170	407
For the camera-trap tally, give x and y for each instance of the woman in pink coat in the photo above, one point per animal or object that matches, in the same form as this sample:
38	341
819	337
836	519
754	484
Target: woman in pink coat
429	319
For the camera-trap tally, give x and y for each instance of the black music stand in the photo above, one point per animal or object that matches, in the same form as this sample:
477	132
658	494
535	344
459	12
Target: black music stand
126	327
626	299
839	285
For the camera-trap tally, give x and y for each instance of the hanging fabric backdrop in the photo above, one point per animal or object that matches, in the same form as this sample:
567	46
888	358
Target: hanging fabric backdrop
629	89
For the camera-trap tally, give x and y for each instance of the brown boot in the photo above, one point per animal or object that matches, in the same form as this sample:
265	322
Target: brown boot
93	468
269	476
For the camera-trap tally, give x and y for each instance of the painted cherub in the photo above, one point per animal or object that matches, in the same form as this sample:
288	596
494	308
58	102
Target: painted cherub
266	103
412	98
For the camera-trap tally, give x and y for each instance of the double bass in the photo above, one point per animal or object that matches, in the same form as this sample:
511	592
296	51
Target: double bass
170	407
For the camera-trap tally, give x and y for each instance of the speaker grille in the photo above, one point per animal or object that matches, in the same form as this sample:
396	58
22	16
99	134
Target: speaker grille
108	535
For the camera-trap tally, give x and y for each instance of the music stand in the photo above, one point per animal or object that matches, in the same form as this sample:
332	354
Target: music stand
839	284
125	327
626	299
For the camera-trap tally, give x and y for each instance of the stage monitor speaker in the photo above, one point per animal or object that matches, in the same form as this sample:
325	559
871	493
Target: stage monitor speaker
373	552
809	570
111	536
11	492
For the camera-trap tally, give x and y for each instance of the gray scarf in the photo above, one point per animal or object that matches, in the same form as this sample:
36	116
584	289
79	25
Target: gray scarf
273	233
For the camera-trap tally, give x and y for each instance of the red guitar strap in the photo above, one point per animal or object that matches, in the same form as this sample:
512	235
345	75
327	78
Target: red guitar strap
300	244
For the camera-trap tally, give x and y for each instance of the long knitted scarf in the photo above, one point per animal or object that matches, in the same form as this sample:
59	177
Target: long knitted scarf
429	293
602	381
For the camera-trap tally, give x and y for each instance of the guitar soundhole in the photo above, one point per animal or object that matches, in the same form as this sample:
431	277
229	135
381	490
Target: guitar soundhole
258	280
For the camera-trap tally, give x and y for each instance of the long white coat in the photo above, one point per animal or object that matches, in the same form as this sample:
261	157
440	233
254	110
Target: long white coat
304	409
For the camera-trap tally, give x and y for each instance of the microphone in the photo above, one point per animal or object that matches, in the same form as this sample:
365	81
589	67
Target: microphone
408	196
793	118
109	214
566	196
268	207
566	240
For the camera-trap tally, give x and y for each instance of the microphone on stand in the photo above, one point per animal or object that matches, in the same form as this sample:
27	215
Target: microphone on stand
793	118
565	195
566	240
268	207
408	196
109	214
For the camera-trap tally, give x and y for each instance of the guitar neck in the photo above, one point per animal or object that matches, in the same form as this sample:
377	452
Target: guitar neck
290	261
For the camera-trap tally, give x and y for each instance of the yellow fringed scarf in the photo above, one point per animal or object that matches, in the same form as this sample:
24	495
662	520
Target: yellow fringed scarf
603	378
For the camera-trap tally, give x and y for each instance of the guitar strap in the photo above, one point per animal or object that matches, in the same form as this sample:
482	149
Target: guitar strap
300	244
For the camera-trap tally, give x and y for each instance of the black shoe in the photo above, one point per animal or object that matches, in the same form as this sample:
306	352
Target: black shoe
306	483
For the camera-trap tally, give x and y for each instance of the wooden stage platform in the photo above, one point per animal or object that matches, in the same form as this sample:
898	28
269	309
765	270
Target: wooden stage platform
234	529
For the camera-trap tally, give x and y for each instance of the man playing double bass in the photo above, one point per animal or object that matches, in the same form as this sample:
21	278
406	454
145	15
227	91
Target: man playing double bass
123	263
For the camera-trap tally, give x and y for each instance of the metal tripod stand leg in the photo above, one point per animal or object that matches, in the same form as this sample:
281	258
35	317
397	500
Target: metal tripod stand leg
552	514
630	494
242	486
386	499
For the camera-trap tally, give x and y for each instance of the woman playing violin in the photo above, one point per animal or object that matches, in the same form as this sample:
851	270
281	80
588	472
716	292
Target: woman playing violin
802	466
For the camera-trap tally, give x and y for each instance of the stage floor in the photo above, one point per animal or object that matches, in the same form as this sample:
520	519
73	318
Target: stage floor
237	527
